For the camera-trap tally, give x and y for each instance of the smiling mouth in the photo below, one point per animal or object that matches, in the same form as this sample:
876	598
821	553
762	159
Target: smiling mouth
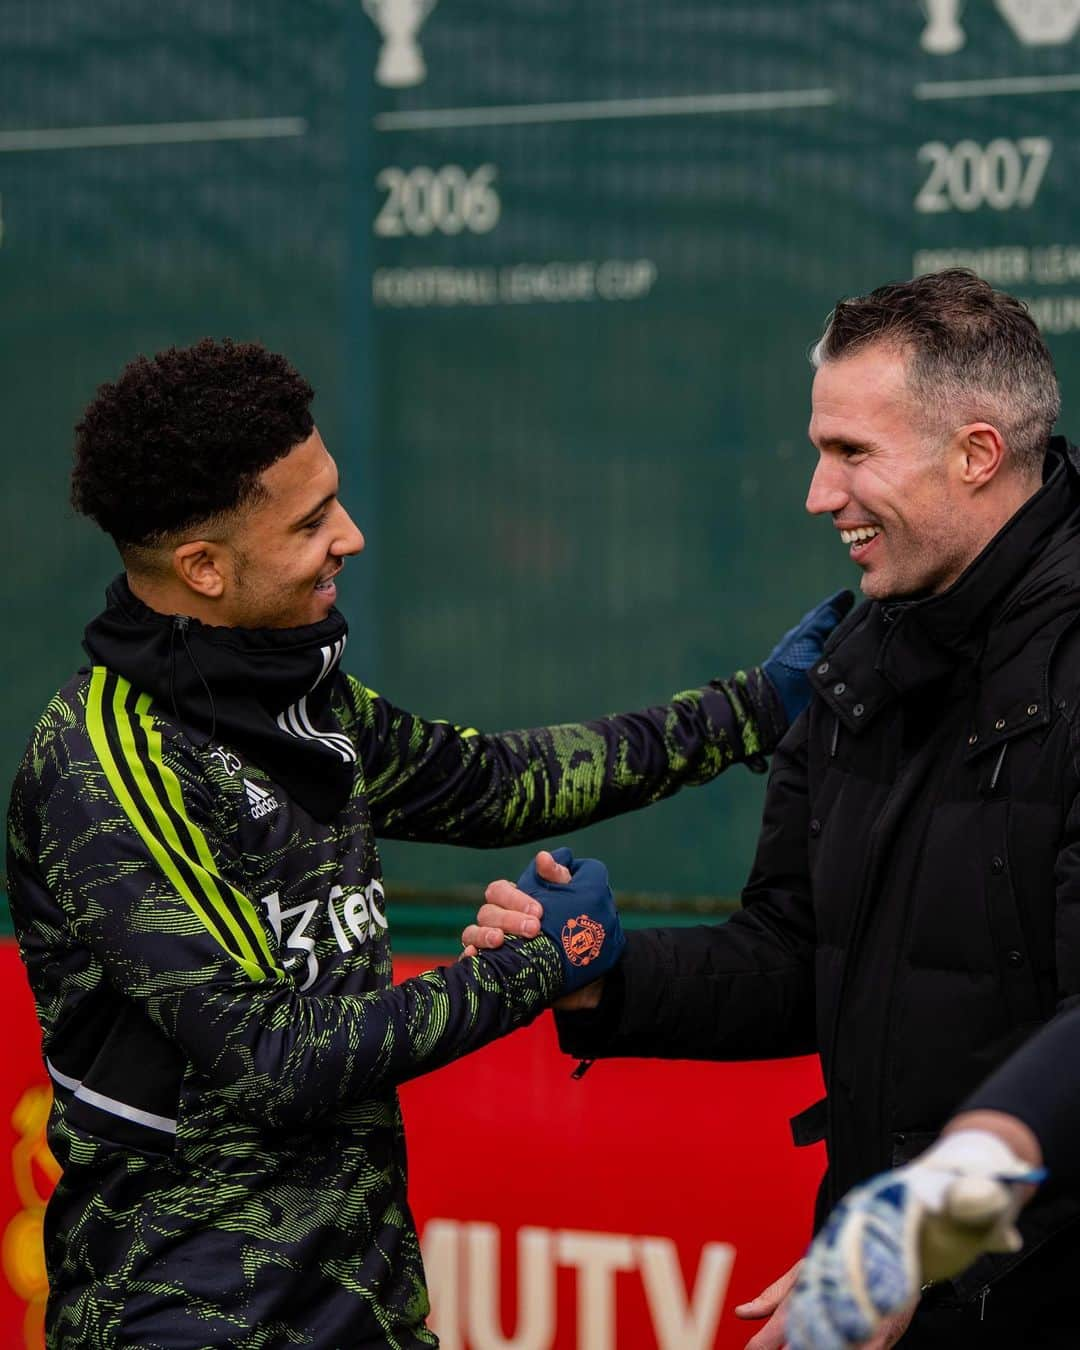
859	538
327	583
862	534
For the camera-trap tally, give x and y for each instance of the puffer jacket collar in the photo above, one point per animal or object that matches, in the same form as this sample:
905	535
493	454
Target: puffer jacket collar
883	652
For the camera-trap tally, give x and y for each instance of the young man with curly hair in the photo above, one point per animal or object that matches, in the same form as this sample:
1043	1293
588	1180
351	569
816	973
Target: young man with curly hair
198	897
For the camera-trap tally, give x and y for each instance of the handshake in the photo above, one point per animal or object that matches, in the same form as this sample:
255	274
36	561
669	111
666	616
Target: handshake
567	900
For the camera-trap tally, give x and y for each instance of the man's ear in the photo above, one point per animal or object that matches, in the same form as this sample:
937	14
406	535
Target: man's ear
201	565
982	453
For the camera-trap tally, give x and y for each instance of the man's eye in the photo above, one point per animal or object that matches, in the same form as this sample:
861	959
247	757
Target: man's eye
314	524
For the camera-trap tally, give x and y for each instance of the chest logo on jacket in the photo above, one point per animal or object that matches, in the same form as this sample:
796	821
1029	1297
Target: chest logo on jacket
354	919
261	802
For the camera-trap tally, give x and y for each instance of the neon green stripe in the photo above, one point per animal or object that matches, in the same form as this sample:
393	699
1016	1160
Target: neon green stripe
167	829
95	720
95	723
205	867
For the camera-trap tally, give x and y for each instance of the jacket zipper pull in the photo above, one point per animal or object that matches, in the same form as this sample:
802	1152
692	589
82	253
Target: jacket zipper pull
982	1303
583	1068
997	767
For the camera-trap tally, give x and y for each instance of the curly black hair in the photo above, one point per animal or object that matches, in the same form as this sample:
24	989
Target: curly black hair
182	437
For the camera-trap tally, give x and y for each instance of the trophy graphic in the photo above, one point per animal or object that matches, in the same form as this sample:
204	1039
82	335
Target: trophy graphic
401	62
1042	23
943	33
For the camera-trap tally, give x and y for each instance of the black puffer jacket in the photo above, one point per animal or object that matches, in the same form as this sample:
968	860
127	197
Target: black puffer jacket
914	907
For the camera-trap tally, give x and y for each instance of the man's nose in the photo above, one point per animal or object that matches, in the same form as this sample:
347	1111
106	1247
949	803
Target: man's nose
828	491
350	540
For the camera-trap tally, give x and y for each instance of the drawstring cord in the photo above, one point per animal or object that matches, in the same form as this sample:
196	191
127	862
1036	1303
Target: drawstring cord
180	624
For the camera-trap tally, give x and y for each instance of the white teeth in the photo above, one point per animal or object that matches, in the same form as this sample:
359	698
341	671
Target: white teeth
858	536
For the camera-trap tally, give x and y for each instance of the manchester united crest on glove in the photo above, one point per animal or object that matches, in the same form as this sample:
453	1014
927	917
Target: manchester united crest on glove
579	917
582	940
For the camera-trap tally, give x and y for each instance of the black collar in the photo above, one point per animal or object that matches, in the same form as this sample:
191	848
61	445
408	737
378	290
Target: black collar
263	691
885	650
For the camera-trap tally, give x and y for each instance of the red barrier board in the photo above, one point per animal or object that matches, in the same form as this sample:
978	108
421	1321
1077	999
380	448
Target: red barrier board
631	1208
27	1168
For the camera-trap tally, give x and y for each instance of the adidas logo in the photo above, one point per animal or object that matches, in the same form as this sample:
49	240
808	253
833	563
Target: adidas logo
262	803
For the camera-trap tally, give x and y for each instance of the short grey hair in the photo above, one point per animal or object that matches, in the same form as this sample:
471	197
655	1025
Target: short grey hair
973	355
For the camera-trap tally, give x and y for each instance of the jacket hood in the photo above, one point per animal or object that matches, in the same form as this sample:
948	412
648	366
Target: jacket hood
264	691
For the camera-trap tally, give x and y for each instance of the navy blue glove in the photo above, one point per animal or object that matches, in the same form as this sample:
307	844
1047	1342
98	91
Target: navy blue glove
799	649
579	917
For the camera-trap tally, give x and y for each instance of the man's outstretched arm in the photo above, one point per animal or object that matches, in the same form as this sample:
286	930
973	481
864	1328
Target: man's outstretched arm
435	781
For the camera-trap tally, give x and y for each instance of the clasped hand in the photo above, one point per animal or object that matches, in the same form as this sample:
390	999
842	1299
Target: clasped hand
509	910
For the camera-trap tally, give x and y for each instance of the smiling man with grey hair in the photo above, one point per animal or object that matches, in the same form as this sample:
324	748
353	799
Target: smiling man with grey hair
943	352
913	912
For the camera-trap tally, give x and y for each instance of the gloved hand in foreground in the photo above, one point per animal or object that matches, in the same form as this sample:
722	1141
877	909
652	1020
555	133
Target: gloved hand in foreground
799	649
579	916
926	1221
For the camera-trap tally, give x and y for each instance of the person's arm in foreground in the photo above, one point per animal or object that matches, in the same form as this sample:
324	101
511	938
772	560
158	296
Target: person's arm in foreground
861	1279
428	780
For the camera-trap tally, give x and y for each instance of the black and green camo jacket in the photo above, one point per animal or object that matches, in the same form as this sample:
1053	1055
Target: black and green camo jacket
211	969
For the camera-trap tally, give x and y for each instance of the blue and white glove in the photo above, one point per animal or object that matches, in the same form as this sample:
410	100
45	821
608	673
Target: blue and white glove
579	917
799	649
885	1240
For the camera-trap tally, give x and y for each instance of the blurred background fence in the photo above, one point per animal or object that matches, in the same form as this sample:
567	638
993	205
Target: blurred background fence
553	269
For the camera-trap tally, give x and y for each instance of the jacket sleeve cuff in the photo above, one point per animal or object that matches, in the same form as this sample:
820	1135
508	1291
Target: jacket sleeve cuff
624	1020
586	1034
766	724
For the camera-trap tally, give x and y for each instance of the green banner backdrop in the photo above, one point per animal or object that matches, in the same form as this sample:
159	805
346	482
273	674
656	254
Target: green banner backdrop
554	269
